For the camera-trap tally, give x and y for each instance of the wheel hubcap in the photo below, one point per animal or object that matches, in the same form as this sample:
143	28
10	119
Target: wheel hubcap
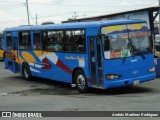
81	81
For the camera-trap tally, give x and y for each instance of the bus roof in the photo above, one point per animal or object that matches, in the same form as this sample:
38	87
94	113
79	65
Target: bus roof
74	25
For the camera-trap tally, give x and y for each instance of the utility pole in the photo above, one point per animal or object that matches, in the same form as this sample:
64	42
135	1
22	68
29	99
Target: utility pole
75	15
36	20
27	12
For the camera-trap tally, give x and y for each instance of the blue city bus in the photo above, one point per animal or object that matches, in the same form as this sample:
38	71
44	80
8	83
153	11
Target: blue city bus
101	55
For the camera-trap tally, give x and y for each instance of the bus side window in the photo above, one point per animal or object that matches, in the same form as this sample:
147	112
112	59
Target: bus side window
25	40
37	41
44	40
75	41
55	40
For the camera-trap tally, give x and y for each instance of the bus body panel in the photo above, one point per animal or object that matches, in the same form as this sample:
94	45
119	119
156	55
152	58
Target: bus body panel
129	70
129	81
10	62
135	66
55	66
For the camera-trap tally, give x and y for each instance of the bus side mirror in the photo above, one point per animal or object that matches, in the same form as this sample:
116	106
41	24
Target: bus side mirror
106	43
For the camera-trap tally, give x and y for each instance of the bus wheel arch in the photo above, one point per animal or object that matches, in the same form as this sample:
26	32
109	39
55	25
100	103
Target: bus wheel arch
26	71
79	78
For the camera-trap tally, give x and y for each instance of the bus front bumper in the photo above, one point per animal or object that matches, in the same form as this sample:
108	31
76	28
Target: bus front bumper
126	82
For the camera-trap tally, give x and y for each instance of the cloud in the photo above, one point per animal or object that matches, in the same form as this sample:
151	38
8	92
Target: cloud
47	1
125	3
9	21
59	1
139	2
40	1
18	16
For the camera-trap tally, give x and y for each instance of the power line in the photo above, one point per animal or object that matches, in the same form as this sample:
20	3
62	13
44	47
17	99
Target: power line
10	2
90	5
12	7
2	6
80	5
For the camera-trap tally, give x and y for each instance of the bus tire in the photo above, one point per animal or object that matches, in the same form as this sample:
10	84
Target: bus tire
80	81
26	72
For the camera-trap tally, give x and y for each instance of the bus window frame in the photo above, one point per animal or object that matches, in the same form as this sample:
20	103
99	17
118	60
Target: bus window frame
31	49
32	40
53	30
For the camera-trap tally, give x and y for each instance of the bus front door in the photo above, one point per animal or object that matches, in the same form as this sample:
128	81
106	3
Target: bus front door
95	62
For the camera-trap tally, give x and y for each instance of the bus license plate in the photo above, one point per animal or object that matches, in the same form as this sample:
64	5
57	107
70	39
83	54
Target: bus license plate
136	82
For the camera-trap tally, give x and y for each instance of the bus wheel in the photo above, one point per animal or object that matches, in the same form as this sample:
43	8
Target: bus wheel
26	72
80	81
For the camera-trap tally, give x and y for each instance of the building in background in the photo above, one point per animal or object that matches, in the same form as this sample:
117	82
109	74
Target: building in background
149	14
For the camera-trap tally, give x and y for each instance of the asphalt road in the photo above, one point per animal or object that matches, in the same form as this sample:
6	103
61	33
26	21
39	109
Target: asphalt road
16	94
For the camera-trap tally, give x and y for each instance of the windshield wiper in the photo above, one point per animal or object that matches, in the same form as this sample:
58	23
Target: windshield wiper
135	51
141	53
123	59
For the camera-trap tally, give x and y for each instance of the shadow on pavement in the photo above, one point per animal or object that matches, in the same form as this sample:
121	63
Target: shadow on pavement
122	90
60	88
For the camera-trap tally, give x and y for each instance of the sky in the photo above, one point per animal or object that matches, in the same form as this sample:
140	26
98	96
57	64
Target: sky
14	12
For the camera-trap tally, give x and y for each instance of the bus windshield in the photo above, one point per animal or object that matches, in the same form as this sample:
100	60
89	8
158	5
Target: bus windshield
125	40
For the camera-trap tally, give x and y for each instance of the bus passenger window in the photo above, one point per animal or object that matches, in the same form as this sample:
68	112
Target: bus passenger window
44	40
37	41
25	40
55	40
75	41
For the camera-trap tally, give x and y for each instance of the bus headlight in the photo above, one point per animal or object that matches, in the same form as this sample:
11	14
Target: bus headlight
112	76
152	69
